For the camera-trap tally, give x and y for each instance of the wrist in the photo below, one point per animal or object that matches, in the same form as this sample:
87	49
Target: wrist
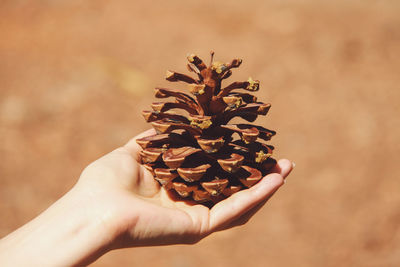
67	233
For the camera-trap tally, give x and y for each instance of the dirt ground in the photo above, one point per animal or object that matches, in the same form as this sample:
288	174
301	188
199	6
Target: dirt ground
75	75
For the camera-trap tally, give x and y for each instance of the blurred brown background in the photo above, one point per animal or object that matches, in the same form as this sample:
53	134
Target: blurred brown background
75	75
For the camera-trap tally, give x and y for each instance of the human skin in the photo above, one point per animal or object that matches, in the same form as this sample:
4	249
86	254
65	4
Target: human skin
116	203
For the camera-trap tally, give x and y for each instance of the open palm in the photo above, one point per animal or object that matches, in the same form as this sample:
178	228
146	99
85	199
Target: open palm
137	211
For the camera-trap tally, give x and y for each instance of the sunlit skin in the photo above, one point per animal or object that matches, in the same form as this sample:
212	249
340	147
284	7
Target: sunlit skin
116	203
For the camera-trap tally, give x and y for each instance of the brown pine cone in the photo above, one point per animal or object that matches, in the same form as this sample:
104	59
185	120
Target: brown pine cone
196	152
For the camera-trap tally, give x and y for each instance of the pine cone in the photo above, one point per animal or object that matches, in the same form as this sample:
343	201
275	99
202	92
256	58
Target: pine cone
196	152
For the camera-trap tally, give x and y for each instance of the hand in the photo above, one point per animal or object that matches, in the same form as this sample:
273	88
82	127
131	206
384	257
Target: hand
117	203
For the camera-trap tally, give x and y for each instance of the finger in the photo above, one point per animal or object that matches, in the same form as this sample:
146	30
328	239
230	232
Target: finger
248	215
133	147
232	208
283	167
146	185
